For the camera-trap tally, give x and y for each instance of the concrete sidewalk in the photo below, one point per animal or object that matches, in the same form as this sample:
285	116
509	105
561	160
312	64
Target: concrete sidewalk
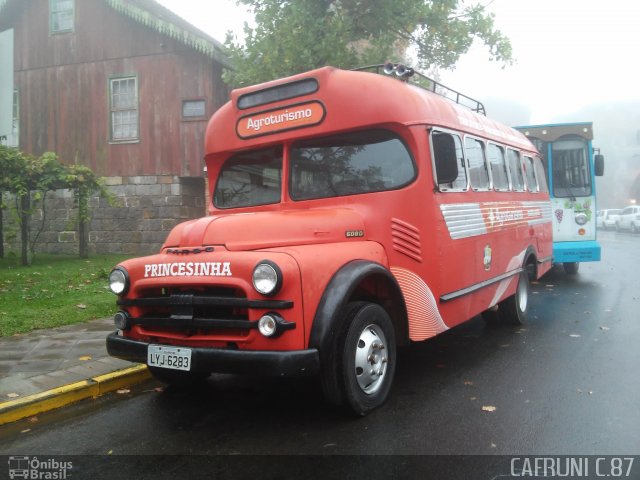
50	368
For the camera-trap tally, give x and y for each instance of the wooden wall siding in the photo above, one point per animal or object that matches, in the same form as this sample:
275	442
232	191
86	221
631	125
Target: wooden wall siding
100	33
63	81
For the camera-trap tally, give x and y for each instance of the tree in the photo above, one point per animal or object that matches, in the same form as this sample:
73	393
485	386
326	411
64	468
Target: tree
84	183
8	168
30	178
292	36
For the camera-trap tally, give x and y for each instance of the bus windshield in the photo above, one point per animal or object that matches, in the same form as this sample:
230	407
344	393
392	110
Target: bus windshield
249	179
571	174
349	164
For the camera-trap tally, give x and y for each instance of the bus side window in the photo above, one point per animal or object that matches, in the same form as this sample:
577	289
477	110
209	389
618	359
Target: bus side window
540	175
495	154
530	174
449	161
478	173
515	168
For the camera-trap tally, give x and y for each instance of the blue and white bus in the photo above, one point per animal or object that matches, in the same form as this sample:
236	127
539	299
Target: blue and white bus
571	165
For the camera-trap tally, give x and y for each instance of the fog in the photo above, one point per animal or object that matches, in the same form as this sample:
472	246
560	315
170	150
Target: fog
564	51
616	127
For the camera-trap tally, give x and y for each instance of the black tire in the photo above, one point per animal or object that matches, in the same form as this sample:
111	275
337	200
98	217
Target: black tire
513	310
571	268
366	357
634	229
178	378
617	227
492	316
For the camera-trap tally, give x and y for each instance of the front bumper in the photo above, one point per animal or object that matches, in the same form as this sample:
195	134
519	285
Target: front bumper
219	360
585	251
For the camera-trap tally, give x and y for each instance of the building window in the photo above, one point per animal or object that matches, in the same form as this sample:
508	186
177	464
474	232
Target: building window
62	15
193	108
15	122
123	94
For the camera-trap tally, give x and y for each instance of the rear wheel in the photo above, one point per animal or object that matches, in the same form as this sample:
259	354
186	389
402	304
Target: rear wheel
571	268
366	357
512	310
178	378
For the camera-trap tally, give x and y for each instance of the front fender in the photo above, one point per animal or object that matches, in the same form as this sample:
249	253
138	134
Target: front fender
327	323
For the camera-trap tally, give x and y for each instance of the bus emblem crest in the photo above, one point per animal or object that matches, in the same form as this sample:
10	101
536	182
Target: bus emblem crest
487	258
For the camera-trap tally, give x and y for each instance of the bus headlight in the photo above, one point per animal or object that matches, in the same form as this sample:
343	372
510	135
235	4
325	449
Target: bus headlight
268	325
267	278
273	325
121	320
581	218
119	281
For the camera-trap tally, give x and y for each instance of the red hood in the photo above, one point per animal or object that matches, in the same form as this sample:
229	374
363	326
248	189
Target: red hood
253	231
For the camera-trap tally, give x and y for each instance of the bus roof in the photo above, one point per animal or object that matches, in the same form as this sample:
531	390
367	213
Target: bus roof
349	100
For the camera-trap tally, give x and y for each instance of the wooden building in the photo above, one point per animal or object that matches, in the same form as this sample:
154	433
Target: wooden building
125	87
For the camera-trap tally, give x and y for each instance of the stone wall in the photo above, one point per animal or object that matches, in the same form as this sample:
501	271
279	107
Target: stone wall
136	222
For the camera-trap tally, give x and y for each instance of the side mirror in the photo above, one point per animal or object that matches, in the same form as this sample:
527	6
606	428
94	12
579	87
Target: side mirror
599	165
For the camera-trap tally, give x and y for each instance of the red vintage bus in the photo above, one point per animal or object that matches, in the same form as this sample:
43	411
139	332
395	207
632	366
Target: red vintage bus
351	212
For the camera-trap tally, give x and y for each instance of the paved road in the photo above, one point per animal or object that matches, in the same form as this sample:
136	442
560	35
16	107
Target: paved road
567	383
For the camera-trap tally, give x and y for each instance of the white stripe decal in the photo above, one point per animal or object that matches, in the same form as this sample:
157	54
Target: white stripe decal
425	320
465	220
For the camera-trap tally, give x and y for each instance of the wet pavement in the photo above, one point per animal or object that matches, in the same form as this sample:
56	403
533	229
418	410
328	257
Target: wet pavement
472	403
46	359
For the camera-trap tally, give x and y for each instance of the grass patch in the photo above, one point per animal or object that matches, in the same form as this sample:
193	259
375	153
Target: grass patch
56	290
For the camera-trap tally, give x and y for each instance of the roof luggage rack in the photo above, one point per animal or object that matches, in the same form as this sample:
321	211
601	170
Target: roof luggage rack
404	73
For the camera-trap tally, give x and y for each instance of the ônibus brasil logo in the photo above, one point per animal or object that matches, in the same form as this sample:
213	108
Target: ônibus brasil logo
33	468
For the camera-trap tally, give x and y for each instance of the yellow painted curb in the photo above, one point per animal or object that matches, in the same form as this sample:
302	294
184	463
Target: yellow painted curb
67	394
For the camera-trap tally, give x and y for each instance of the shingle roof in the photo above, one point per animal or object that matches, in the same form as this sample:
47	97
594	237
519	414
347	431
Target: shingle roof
153	15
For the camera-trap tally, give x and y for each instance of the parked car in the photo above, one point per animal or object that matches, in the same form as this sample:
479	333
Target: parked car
629	219
607	218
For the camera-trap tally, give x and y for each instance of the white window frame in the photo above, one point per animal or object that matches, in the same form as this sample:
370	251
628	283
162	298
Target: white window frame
118	110
56	12
502	163
462	167
487	168
15	120
516	164
187	101
529	163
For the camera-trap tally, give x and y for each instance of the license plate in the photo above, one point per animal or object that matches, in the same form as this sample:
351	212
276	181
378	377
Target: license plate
173	358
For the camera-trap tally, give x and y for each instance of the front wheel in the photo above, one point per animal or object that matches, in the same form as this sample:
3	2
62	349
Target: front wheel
571	268
367	357
634	228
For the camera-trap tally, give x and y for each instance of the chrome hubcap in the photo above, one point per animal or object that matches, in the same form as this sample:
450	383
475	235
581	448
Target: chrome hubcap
523	296
371	359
